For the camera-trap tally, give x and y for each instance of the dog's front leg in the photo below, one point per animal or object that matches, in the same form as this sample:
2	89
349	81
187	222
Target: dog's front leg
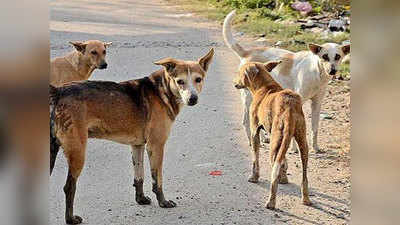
137	160
315	114
246	102
155	151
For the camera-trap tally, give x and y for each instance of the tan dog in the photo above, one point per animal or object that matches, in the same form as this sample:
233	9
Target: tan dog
279	112
138	113
79	64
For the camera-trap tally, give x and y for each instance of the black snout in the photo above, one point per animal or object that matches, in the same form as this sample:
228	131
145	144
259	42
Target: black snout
333	72
103	66
193	100
238	86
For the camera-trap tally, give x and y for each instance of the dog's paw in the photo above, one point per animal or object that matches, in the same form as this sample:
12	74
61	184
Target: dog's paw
167	204
283	180
74	220
318	151
143	200
307	202
270	205
264	139
253	179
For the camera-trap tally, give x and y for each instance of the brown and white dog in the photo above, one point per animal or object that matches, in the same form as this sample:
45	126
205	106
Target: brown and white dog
306	72
279	112
139	113
79	64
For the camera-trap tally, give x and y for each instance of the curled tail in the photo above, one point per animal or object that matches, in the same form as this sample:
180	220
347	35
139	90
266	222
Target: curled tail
54	143
228	37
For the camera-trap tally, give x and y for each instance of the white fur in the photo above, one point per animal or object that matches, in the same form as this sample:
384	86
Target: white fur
137	159
189	89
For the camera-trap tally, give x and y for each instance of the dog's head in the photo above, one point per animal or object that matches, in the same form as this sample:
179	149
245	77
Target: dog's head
187	77
331	55
249	73
94	51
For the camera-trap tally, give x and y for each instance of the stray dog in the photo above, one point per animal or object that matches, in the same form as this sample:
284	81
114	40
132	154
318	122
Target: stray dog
79	64
306	72
279	112
139	113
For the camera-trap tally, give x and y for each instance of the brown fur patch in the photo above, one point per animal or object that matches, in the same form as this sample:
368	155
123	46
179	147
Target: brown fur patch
287	64
255	54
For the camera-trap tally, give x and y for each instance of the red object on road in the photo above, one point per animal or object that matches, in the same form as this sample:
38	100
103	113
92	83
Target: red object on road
215	173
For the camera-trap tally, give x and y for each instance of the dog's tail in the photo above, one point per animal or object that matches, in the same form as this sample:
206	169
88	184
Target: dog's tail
280	146
53	95
54	143
228	37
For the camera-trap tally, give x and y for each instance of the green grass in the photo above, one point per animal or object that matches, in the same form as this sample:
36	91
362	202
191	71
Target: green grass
254	19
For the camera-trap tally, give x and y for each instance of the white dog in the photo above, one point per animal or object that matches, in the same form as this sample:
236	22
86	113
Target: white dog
306	72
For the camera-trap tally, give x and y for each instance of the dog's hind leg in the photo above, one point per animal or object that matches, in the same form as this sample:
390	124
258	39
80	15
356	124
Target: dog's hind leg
137	160
255	145
74	150
283	179
300	136
155	151
246	102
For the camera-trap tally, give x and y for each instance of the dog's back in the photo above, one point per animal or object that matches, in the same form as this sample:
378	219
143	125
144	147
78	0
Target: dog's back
280	110
61	71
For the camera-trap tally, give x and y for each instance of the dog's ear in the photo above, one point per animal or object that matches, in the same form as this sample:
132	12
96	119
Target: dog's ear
271	65
79	46
168	63
106	44
206	60
314	48
251	71
346	49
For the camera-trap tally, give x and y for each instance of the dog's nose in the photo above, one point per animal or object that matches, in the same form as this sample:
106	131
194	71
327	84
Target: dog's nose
237	86
193	100
103	66
333	72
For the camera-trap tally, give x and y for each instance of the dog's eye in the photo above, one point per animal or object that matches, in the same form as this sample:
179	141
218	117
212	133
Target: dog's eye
180	82
104	52
337	57
325	57
198	80
94	52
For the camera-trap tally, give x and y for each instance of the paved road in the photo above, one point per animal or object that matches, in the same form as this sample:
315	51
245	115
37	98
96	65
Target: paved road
205	137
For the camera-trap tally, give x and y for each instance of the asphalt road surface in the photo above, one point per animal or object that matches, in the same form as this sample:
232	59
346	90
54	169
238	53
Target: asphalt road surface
205	137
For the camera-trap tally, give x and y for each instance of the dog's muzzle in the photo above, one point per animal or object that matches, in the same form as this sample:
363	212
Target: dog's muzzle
332	72
193	100
238	86
103	66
